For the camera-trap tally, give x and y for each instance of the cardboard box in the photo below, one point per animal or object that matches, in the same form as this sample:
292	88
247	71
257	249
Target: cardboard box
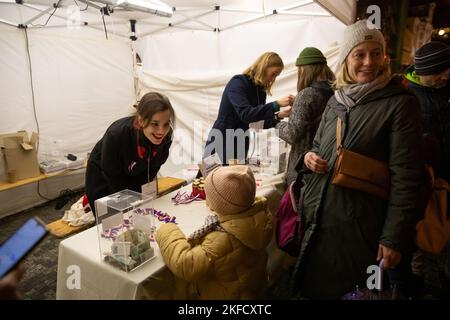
19	156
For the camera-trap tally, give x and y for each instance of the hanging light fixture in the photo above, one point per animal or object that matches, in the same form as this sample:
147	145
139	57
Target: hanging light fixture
149	6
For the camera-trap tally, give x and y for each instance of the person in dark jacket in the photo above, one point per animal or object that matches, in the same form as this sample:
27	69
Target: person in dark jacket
428	80
132	150
313	87
243	102
347	230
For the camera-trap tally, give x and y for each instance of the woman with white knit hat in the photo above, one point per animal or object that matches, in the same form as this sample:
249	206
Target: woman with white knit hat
345	229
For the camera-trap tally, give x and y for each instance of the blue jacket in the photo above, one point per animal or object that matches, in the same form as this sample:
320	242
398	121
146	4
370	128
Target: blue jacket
242	102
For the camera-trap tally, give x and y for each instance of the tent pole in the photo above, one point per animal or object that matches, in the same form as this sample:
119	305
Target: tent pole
298	5
42	11
245	22
283	10
113	32
46	11
197	21
239	10
159	24
296	13
178	23
8	22
82	23
174	27
90	4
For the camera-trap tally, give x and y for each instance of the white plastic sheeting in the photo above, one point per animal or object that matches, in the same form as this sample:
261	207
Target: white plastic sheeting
192	69
81	83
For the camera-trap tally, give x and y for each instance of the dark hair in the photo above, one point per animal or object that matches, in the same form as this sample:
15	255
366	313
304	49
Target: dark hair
307	74
152	103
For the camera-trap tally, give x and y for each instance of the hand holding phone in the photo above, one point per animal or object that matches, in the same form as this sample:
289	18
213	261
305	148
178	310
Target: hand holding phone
20	243
10	282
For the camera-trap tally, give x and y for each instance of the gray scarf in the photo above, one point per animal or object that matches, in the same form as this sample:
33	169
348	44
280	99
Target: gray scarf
349	96
211	224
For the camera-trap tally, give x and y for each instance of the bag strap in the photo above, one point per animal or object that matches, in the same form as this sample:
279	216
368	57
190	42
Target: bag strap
436	182
292	196
430	172
339	135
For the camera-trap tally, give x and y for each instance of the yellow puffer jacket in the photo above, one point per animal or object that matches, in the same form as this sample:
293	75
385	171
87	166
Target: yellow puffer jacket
223	265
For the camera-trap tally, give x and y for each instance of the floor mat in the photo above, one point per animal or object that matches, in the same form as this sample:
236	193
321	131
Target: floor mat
61	229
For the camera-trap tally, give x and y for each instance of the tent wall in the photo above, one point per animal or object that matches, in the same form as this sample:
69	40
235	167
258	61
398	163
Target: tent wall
81	83
193	67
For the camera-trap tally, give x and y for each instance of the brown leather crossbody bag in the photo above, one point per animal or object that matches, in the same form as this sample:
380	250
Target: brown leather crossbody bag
356	171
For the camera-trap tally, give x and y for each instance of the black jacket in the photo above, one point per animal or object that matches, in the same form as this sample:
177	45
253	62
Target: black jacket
435	109
123	159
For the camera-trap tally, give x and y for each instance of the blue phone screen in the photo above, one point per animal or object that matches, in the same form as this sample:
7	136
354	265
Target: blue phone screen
18	245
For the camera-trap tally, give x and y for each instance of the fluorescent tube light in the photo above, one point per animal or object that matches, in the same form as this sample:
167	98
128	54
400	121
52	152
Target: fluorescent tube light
150	6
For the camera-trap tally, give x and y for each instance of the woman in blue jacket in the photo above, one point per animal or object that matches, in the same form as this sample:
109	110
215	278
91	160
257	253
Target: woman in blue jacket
243	102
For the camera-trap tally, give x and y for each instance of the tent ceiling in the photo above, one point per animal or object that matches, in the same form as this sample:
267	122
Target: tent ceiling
203	15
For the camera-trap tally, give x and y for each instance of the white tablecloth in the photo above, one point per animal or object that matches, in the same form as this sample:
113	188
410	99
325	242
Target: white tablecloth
152	280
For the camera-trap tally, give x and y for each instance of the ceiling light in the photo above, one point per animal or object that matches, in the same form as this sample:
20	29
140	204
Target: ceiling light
441	32
149	6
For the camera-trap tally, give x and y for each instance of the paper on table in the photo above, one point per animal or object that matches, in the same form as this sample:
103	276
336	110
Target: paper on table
112	222
143	223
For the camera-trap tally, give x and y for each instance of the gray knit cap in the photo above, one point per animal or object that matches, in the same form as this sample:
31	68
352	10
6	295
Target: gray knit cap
355	34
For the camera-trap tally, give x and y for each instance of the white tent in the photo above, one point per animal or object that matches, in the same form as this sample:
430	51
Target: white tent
72	71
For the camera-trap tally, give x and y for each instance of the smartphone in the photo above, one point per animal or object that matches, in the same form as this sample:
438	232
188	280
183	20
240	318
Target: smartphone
20	243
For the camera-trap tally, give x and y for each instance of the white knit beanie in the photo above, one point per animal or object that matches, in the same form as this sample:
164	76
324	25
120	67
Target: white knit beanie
230	189
354	34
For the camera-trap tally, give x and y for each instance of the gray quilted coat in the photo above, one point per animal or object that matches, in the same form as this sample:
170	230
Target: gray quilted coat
300	129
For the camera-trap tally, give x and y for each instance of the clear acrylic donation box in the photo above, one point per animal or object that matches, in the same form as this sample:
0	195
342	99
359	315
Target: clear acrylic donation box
125	229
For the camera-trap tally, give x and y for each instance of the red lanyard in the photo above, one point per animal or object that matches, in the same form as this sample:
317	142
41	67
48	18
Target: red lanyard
141	153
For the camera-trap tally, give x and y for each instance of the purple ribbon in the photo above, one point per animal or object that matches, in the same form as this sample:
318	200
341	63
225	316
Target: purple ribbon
113	233
127	224
185	198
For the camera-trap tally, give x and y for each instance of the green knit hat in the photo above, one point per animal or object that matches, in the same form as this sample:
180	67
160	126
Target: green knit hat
310	55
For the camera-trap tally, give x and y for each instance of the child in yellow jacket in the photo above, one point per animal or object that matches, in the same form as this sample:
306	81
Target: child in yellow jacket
226	258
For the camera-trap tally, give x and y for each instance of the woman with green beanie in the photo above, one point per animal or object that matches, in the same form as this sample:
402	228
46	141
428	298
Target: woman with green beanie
313	87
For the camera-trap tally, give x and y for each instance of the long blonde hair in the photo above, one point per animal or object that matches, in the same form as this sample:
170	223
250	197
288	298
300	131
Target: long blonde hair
309	73
344	79
257	71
